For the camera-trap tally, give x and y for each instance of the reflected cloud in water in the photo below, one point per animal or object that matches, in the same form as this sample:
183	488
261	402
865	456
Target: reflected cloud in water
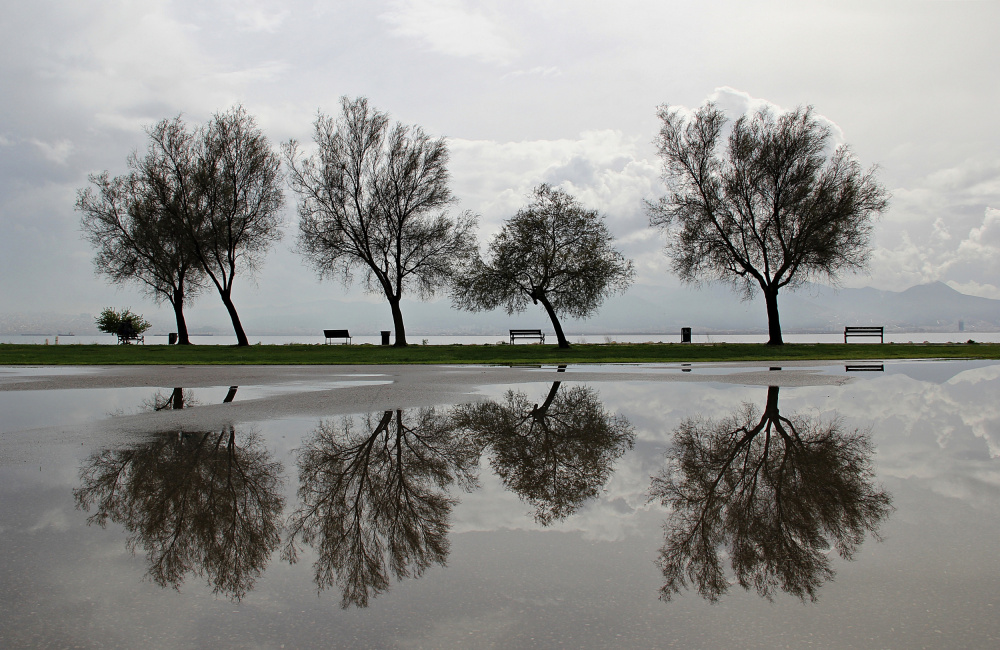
772	493
538	500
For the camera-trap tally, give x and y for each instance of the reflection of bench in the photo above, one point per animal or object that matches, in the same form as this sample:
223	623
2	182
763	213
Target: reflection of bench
865	367
526	334
337	334
864	331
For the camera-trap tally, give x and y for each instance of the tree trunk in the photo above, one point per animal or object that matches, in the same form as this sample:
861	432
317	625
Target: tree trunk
773	323
550	397
182	330
241	336
560	337
538	413
771	407
397	323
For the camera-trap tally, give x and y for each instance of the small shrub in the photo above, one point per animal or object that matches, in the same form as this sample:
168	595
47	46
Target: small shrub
114	322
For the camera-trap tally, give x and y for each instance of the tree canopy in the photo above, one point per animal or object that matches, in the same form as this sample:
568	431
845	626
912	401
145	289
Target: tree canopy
129	222
374	200
235	217
554	252
769	208
204	202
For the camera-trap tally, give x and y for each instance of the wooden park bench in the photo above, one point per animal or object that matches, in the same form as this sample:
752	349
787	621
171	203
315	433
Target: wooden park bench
337	334
526	334
864	331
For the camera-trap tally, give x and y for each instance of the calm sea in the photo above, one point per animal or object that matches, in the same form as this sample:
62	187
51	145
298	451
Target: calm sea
438	339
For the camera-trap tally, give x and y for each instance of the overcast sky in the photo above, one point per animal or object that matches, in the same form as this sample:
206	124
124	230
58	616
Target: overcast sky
526	92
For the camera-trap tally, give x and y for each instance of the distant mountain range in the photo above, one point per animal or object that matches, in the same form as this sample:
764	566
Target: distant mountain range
643	310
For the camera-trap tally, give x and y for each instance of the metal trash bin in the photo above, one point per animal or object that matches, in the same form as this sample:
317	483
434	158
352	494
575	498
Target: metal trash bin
685	335
172	338
385	336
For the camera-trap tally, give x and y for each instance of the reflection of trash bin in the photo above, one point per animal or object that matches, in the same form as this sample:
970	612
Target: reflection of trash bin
685	335
385	336
171	338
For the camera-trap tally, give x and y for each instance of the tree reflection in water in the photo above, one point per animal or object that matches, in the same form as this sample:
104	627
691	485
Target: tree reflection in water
180	399
555	456
374	499
774	491
207	503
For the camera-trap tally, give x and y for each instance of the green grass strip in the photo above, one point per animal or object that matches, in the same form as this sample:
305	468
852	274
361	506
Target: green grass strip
83	355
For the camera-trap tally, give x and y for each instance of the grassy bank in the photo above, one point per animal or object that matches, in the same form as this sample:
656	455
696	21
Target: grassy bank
13	354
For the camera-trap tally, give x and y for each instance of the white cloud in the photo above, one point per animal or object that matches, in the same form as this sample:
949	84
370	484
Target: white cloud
973	288
601	168
537	71
450	27
983	243
942	228
738	102
58	151
260	19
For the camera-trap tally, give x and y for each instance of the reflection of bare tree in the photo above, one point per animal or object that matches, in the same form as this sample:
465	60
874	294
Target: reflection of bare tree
177	399
374	500
195	502
180	399
555	456
775	492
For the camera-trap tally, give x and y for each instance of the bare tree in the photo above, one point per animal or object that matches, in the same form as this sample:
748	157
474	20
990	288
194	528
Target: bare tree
770	209
129	221
553	252
373	199
235	217
203	202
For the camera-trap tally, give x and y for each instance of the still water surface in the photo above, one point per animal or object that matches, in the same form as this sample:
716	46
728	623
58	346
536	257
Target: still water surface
563	514
451	339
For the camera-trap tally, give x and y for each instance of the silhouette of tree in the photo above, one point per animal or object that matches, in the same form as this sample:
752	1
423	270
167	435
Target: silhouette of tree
554	252
194	502
236	218
374	500
374	199
557	455
770	210
135	236
775	492
203	202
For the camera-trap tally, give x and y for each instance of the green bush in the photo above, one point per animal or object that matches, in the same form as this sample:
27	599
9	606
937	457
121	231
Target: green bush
123	322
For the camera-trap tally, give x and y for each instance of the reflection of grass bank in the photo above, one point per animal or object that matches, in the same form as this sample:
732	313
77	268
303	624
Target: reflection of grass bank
12	354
